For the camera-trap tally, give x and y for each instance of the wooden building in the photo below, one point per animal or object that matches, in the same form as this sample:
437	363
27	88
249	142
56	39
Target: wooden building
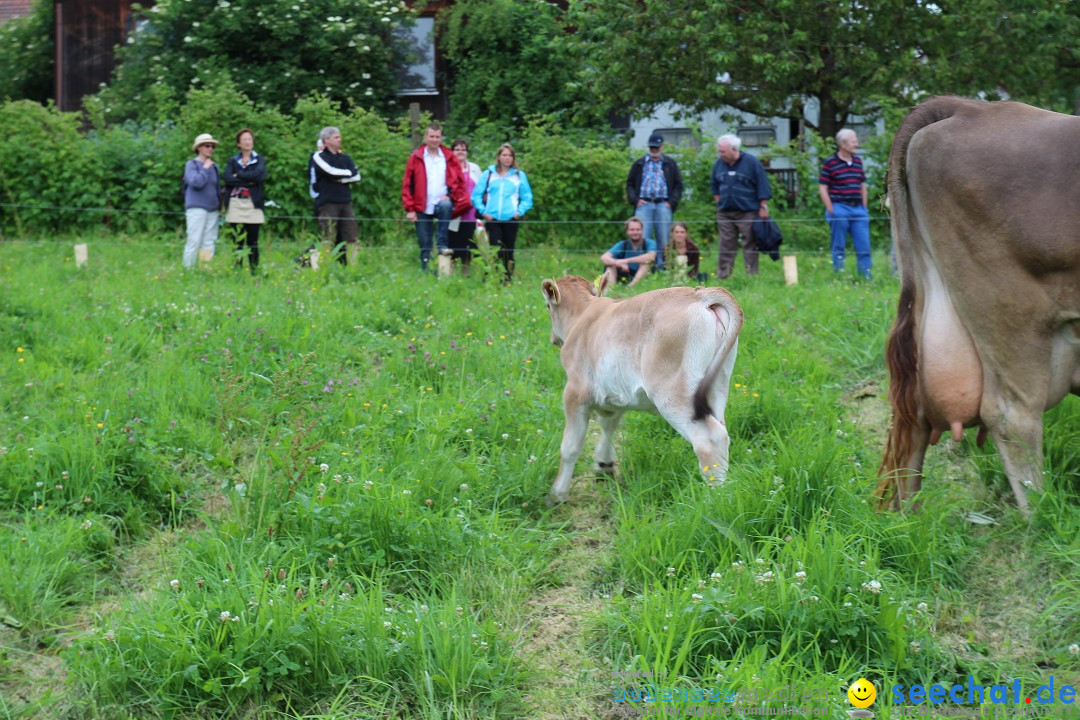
87	31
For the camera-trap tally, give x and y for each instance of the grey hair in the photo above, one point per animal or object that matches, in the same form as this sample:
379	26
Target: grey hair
327	132
845	133
733	140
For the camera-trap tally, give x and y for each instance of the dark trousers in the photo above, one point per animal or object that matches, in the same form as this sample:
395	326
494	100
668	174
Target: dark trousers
504	236
247	243
461	241
338	224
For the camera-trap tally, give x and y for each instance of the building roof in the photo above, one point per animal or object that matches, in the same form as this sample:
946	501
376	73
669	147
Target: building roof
11	9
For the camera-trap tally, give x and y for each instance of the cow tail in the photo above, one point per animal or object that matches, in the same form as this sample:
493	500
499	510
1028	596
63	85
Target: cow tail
901	359
725	300
901	349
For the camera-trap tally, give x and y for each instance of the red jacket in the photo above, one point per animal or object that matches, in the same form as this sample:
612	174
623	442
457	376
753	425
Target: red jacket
414	184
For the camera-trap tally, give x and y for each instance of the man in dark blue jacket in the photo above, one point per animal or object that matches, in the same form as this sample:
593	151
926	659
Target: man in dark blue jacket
741	190
654	187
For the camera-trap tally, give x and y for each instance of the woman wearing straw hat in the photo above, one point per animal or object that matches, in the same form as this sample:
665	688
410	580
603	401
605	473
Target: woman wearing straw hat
202	199
244	200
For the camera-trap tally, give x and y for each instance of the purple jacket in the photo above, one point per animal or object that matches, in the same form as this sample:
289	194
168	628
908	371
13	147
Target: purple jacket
202	187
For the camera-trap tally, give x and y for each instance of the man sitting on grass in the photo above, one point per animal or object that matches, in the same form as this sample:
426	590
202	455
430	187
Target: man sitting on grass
632	258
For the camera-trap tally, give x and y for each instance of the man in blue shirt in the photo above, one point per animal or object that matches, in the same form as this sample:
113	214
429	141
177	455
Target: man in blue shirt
632	258
654	187
741	190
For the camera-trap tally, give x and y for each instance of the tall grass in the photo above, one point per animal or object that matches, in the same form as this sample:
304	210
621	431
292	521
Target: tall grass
351	464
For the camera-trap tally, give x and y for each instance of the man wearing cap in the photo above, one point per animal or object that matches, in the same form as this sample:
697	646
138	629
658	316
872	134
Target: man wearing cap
654	187
202	199
740	187
335	172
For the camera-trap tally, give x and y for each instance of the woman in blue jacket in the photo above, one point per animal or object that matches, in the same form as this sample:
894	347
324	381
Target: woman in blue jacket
502	196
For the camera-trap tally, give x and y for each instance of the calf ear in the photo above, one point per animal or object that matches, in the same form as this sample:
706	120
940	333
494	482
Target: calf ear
551	291
602	285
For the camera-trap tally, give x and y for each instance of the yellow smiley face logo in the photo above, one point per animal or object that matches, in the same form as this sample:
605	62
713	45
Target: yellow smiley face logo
862	693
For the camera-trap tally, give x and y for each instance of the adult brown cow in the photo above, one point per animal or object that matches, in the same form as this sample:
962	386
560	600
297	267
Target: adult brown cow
668	351
986	220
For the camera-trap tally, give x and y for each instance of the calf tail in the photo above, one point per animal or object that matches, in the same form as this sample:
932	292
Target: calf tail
719	299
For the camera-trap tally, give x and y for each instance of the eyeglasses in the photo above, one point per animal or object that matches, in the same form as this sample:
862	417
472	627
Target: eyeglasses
461	149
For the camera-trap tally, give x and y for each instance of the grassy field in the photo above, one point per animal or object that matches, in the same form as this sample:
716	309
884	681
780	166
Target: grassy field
320	495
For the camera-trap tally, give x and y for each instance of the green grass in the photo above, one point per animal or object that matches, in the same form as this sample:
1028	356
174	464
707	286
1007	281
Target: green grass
352	465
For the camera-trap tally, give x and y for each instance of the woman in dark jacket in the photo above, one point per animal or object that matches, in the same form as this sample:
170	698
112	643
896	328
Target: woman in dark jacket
245	174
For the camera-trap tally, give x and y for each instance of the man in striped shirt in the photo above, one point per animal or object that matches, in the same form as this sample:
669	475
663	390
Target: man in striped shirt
842	187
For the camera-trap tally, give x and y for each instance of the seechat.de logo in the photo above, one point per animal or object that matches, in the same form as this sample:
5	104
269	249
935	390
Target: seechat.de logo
972	692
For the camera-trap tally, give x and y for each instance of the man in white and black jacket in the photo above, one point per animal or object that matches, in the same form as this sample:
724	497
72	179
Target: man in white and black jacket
335	172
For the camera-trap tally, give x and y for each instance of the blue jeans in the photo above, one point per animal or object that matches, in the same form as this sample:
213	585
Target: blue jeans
853	220
441	220
656	216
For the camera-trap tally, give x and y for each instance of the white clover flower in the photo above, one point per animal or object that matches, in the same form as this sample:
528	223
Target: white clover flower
847	604
174	584
110	636
86	525
224	616
814	598
922	607
716	577
801	576
915	647
872	587
406	492
1074	649
464	487
387	624
324	468
763	578
696	597
671	572
738	565
368	484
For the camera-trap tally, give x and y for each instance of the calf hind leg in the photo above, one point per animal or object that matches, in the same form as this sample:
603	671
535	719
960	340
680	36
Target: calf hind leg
711	444
605	449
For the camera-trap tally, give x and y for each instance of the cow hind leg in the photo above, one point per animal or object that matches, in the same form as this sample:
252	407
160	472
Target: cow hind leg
605	449
577	422
1018	432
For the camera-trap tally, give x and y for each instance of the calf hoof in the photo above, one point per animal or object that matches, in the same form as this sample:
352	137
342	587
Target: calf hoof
604	470
554	499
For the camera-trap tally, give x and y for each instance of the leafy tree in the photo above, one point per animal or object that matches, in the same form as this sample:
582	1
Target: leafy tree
768	57
27	54
276	51
508	62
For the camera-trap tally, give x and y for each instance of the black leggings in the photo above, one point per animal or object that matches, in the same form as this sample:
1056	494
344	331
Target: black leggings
251	242
504	235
